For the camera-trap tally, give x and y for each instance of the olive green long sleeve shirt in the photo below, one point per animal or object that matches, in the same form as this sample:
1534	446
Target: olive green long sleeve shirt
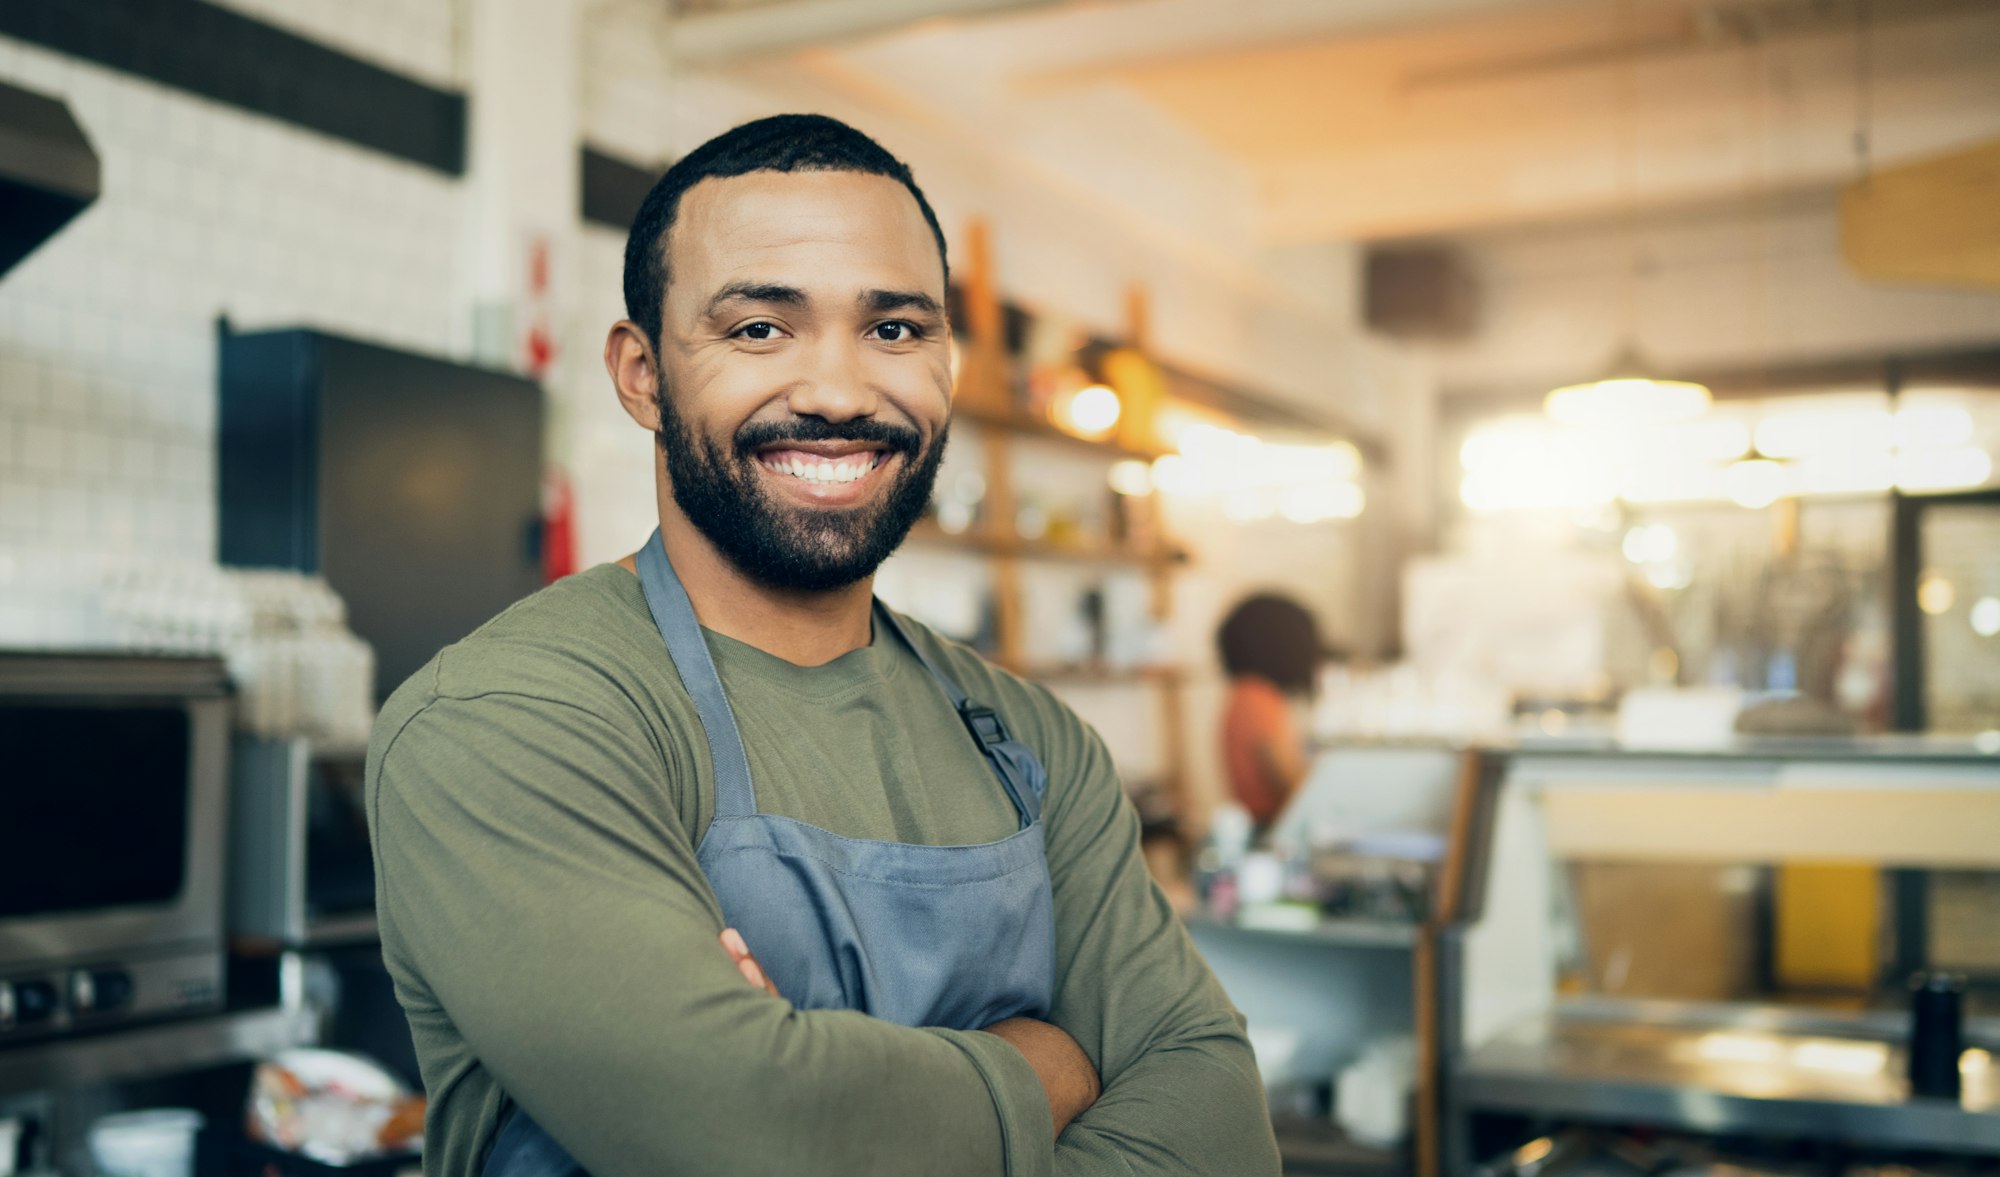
536	794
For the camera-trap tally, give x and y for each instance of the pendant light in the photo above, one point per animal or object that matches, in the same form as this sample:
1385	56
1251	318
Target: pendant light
1627	394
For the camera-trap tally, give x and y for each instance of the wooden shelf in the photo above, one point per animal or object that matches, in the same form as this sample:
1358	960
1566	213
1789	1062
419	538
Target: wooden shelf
1022	425
986	543
986	400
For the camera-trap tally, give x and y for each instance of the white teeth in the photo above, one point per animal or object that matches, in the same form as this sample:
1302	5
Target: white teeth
842	470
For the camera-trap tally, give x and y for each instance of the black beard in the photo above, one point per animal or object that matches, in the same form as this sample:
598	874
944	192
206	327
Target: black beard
786	546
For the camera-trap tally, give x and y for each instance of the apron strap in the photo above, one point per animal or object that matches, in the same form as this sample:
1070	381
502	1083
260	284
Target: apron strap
674	615
1013	762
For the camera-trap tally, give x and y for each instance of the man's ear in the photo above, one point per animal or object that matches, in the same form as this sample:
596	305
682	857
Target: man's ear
635	372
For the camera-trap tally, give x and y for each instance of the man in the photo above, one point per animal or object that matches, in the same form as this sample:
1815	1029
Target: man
700	863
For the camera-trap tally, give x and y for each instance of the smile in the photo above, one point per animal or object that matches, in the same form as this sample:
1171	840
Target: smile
821	468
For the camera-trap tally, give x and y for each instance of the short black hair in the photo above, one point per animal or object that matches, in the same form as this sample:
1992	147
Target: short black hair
1274	638
780	143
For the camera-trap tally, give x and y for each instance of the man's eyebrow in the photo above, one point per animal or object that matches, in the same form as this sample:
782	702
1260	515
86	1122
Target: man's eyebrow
882	301
772	292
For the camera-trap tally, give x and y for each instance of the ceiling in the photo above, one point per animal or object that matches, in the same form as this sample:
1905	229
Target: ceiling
1368	119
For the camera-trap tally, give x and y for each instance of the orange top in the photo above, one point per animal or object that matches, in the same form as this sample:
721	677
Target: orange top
1255	718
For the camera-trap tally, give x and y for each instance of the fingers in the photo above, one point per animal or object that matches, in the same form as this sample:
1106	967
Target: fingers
732	940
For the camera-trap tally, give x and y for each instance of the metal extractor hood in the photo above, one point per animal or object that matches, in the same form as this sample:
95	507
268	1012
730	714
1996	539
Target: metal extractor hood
48	172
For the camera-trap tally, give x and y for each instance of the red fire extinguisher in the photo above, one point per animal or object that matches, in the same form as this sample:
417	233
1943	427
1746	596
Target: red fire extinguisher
558	526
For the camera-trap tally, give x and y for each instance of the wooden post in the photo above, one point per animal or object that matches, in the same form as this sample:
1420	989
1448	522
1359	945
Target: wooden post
1447	908
983	383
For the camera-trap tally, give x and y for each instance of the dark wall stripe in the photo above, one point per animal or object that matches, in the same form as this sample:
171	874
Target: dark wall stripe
223	55
614	188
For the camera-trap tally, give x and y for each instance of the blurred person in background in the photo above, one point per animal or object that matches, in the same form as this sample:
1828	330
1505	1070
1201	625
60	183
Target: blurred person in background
1272	651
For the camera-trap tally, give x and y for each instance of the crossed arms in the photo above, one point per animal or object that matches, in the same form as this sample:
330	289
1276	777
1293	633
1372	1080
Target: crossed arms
549	911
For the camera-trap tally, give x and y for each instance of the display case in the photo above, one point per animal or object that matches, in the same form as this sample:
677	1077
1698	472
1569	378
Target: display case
1713	946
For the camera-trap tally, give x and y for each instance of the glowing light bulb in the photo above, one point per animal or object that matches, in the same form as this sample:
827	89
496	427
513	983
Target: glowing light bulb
1131	477
1757	483
1935	594
1090	411
1986	616
1627	400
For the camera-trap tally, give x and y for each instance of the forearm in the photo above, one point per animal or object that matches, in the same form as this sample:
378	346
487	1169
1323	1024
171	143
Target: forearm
1181	1090
1194	1107
660	1058
830	1093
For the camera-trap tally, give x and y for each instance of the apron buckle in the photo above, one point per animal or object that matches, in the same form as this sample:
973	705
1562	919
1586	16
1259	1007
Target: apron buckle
983	722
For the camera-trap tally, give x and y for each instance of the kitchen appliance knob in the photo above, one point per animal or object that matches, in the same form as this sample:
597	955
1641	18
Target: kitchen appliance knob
82	992
113	988
34	1001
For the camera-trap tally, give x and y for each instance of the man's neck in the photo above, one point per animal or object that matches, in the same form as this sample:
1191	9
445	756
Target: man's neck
803	628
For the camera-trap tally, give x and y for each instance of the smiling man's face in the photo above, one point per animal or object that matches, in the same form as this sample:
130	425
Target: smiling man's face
805	374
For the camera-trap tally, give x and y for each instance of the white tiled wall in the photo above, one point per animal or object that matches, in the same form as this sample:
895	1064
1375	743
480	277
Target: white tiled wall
607	457
420	38
107	335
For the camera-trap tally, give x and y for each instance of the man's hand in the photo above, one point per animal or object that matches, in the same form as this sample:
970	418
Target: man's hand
745	963
1067	1075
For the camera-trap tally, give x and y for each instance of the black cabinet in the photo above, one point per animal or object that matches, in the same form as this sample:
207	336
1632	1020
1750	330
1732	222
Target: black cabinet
411	483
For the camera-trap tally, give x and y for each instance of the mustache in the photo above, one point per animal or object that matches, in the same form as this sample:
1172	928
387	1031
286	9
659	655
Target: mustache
758	434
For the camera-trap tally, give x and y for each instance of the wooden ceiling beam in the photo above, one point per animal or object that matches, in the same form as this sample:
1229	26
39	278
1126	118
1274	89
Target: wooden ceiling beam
1934	222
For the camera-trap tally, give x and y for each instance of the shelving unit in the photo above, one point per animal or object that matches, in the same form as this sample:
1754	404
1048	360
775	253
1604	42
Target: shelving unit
992	543
985	400
1009	420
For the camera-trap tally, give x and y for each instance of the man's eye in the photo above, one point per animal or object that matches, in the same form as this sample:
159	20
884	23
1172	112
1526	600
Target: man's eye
898	331
758	332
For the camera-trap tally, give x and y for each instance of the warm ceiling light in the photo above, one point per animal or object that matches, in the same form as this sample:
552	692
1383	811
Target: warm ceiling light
1178	476
1628	400
1089	411
1986	617
1817	432
1928	427
1319	503
1699	441
1757	483
1954	469
1845	474
1131	477
1936	594
1627	397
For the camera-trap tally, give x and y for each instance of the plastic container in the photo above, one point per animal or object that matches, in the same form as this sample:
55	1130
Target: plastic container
158	1142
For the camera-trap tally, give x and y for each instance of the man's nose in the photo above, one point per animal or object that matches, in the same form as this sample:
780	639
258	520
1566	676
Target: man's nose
837	387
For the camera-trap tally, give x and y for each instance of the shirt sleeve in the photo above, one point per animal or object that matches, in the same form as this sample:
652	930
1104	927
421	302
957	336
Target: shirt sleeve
551	903
1181	1093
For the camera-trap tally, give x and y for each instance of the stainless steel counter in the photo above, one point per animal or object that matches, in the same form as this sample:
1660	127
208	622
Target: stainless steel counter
1716	1070
1348	933
161	1049
1873	749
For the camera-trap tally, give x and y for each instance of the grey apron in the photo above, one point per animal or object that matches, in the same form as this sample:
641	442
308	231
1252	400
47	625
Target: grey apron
958	937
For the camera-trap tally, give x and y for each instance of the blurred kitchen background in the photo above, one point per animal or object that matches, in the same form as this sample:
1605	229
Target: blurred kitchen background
1617	382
